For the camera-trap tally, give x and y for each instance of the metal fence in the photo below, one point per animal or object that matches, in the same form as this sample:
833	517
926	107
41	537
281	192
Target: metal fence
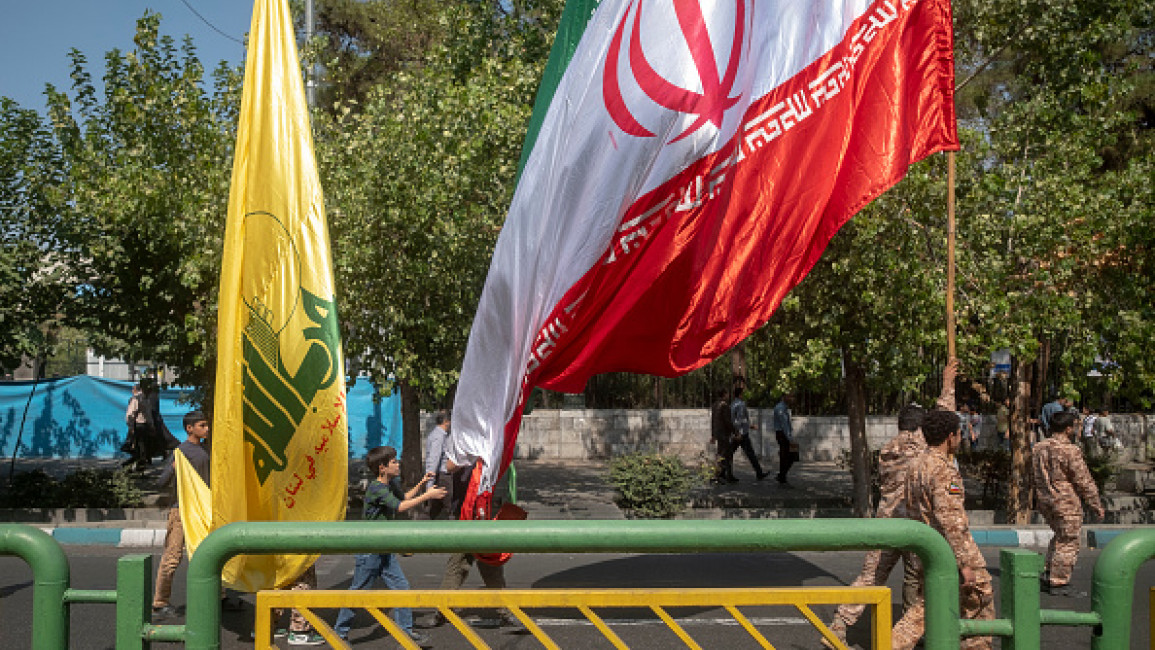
1022	617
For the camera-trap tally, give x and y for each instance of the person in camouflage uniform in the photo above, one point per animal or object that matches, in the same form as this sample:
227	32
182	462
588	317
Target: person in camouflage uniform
1061	479
893	460
934	495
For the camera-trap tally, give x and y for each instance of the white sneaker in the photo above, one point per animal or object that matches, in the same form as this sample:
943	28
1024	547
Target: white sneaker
306	638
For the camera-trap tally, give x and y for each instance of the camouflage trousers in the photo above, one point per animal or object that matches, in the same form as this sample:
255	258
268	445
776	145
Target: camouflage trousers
1063	551
976	602
876	570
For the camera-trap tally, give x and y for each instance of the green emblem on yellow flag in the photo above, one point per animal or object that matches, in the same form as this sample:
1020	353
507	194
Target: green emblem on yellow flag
280	436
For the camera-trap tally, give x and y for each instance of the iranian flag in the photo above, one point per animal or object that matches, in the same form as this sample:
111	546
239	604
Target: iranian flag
688	162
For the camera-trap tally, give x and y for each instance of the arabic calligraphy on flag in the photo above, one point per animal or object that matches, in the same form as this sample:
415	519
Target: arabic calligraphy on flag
695	160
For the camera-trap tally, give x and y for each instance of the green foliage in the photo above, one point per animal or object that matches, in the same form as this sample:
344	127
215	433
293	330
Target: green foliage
85	488
35	283
147	163
652	485
417	184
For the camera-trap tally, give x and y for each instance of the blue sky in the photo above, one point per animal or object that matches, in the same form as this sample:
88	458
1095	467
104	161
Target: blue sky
38	34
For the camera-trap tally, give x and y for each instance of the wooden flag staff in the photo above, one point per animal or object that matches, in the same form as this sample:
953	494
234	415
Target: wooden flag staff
950	327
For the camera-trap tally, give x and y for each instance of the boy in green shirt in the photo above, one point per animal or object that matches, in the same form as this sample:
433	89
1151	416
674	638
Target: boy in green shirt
384	499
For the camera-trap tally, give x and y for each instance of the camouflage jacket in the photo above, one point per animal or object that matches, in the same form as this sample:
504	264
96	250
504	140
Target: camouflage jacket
1061	476
934	496
893	460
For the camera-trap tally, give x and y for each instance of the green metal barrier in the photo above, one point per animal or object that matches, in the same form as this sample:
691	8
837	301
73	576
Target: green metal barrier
1111	598
50	578
1113	585
202	628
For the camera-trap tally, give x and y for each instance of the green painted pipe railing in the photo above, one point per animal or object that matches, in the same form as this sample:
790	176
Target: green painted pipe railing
1113	586
202	627
50	578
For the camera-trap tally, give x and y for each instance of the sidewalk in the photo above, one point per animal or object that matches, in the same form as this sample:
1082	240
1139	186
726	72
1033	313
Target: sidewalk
564	490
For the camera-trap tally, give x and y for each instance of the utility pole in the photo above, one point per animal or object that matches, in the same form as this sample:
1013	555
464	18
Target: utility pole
311	74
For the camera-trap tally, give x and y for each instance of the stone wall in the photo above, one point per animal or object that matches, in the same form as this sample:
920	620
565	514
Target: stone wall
589	434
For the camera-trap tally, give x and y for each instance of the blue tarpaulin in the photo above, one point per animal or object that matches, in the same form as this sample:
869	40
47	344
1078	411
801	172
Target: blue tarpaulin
83	416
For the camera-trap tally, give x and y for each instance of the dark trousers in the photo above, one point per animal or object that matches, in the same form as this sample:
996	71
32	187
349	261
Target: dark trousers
440	508
748	449
785	457
725	467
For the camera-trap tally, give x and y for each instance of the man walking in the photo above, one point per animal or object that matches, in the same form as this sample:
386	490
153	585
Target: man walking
722	434
435	461
894	460
740	417
196	428
1061	479
934	495
784	435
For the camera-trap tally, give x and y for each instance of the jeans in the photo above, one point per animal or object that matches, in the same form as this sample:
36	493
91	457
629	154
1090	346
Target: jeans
748	449
369	567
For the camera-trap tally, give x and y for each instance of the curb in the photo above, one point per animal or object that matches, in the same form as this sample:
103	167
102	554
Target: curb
118	537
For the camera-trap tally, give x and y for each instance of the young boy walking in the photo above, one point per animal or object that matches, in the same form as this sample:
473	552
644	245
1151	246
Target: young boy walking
1061	478
384	500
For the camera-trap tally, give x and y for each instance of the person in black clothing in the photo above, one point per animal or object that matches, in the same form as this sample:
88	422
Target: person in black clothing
723	435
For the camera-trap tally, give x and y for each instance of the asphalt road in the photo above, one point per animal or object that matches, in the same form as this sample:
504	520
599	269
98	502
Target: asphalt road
94	568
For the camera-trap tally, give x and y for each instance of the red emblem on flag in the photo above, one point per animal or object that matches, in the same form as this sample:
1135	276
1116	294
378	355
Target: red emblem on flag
709	105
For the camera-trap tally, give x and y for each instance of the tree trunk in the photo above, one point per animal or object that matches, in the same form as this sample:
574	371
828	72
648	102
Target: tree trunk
859	450
412	467
738	364
1019	494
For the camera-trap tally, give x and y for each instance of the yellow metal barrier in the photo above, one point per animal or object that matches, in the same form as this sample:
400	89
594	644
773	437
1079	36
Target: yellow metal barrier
583	600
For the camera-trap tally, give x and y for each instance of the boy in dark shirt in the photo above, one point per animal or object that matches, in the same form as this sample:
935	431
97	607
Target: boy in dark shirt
384	500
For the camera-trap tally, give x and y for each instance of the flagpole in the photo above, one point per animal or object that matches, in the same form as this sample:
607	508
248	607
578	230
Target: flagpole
950	236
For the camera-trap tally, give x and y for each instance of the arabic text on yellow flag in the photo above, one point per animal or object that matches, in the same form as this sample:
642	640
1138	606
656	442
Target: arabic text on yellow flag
279	424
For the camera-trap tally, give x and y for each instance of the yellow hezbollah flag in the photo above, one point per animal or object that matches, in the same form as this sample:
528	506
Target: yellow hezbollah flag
195	501
280	440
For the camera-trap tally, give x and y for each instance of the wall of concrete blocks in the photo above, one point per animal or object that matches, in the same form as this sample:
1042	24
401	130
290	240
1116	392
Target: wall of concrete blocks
599	434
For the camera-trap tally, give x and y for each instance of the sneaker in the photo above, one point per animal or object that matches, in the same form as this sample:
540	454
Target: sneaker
164	611
306	638
420	638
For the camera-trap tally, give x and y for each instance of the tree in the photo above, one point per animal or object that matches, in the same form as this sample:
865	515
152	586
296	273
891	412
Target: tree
147	164
417	185
865	317
361	45
1061	109
35	280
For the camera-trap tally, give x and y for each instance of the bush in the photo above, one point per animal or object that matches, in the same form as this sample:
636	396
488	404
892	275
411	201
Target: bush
35	489
86	488
654	486
99	488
